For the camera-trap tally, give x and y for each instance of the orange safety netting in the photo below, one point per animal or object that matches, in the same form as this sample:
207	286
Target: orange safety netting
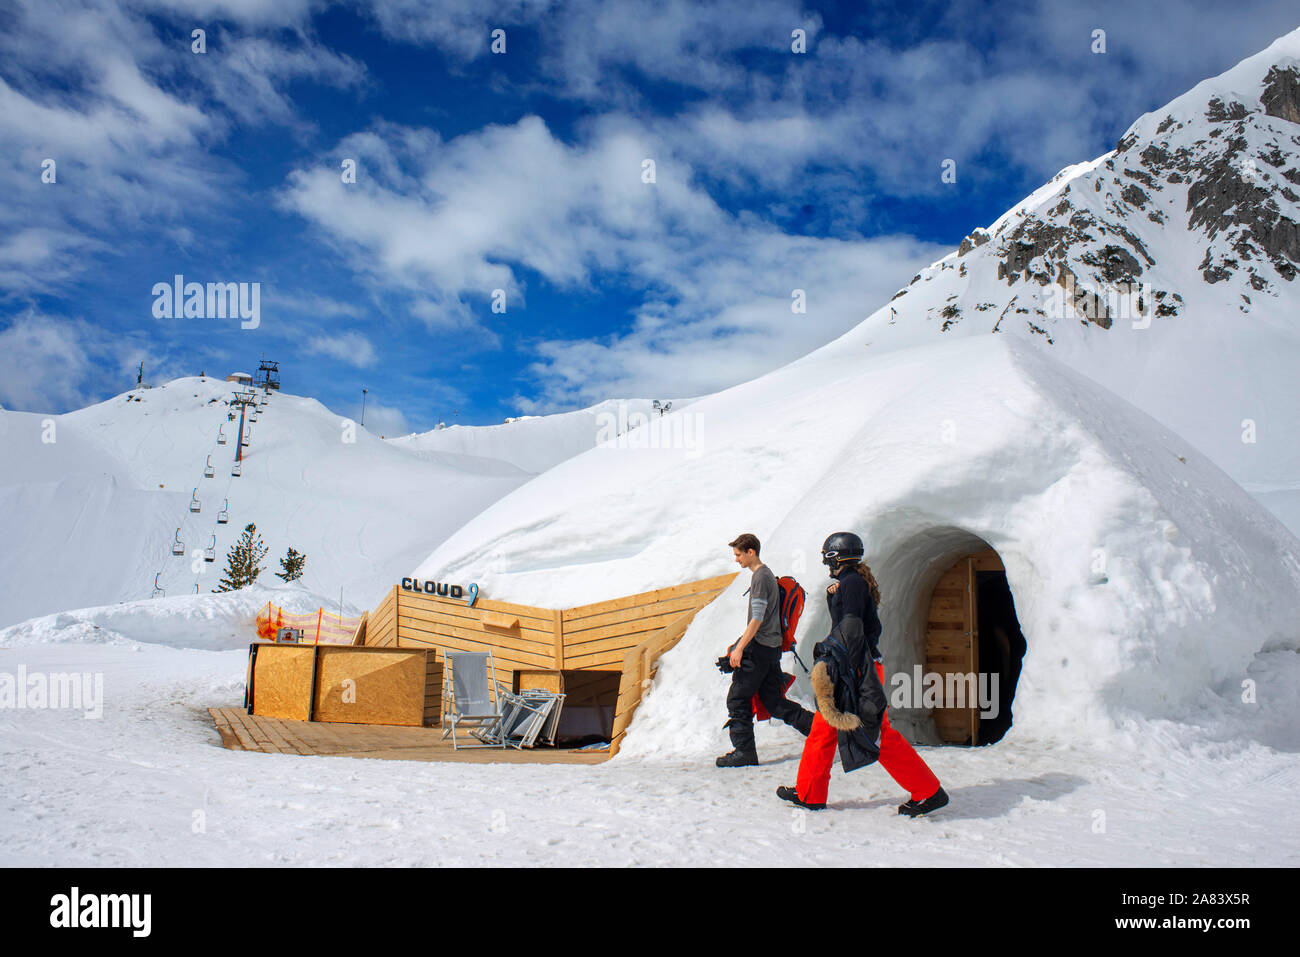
318	627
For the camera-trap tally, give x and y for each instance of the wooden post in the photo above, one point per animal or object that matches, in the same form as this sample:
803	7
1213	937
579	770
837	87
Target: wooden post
397	617
559	639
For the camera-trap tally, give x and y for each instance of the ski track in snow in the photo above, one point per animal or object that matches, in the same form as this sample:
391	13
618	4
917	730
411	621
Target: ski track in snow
129	789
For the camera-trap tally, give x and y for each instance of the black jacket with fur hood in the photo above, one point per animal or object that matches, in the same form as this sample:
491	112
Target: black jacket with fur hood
849	696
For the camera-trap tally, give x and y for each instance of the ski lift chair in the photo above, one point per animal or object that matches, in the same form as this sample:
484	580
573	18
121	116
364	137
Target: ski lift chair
223	516
157	589
178	547
235	470
210	553
195	504
467	701
208	470
221	436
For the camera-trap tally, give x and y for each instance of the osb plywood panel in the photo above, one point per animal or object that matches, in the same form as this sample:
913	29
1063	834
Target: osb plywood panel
386	687
282	681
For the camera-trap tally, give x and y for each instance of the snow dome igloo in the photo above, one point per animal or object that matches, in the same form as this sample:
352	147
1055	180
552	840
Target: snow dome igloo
1141	574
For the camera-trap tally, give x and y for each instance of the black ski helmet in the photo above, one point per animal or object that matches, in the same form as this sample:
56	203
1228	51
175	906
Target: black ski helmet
842	547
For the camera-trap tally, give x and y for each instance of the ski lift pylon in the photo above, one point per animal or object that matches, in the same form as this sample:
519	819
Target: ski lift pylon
195	504
178	547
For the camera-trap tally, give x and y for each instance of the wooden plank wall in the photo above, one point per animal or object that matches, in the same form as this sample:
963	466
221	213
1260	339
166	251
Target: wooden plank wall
381	628
598	636
521	637
604	636
639	666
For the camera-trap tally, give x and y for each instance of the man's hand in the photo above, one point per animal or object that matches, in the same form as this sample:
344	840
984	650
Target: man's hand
736	654
832	588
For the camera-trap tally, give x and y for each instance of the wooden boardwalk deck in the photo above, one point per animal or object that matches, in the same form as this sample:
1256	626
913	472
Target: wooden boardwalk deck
241	731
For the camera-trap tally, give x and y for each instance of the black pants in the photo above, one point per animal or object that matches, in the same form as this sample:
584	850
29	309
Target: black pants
760	674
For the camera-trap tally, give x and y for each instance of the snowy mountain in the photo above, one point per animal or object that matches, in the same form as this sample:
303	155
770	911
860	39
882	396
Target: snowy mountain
95	500
536	443
1165	270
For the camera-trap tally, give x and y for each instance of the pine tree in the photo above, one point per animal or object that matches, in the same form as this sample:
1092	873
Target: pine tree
291	565
244	561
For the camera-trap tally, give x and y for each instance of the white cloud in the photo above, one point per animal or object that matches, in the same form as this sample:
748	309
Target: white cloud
351	348
585	44
44	365
384	420
130	124
54	364
473	213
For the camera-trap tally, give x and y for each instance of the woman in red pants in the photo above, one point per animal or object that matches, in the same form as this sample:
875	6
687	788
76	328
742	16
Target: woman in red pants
852	599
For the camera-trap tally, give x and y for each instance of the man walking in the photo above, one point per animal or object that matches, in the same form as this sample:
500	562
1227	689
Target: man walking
755	661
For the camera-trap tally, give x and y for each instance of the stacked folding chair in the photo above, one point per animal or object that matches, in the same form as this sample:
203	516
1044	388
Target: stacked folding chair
499	718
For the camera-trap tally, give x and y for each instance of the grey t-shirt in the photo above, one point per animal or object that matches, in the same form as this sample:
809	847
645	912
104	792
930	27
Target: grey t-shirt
765	605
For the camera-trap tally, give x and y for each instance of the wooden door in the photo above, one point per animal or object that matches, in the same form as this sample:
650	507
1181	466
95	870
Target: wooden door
952	645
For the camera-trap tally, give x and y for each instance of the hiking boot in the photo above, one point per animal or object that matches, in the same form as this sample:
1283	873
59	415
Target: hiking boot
738	759
916	808
791	795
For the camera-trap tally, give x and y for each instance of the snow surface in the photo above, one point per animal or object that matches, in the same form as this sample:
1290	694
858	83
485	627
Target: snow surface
149	784
1158	712
537	443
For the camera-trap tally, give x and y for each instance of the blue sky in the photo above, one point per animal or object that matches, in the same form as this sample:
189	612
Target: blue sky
523	171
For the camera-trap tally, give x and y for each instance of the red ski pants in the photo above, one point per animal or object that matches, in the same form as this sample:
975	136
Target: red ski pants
896	756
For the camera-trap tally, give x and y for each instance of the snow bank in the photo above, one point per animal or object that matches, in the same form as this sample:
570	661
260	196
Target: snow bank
204	622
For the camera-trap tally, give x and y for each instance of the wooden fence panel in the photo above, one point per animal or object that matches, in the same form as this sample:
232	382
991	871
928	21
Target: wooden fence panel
624	635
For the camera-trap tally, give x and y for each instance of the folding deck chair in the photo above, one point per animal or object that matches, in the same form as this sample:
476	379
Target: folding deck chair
525	716
553	703
467	700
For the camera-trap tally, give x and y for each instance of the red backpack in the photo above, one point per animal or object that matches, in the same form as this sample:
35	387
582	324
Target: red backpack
792	598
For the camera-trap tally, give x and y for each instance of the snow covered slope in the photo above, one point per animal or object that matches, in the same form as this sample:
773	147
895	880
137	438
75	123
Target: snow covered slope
1197	210
535	443
91	501
927	453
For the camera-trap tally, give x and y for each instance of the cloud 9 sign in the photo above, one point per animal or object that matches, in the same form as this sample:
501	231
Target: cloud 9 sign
441	589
